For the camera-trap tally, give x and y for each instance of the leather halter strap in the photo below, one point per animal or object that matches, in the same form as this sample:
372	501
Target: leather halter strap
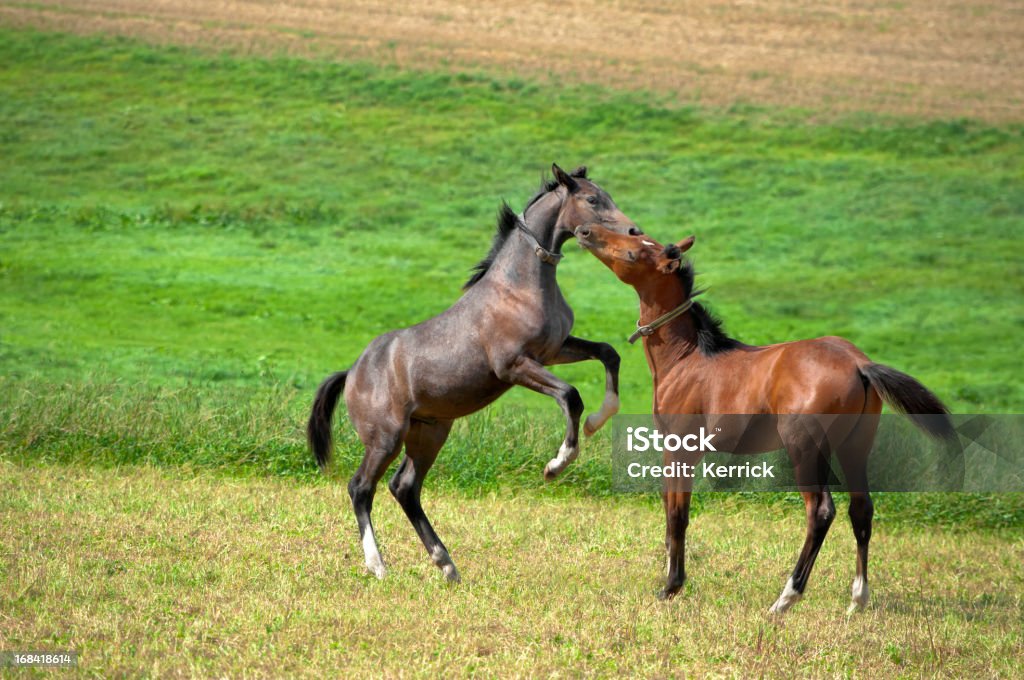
648	329
545	255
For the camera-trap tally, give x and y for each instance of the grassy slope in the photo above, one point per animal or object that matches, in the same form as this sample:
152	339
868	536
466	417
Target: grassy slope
216	234
179	218
234	229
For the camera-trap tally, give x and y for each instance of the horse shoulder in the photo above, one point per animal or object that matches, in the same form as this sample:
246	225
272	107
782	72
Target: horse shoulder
682	388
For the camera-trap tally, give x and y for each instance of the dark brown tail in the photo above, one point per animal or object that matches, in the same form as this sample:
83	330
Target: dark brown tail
318	430
906	395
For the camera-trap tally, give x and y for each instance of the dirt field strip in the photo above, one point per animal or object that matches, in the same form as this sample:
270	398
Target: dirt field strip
933	59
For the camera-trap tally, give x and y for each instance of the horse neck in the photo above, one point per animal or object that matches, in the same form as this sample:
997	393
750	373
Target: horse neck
674	342
518	263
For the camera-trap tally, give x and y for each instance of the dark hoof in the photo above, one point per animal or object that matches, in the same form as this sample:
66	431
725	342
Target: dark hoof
665	594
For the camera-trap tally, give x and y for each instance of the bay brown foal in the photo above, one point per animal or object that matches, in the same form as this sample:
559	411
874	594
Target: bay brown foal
698	369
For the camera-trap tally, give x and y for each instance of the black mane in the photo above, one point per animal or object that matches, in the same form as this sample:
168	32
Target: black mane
711	336
507	222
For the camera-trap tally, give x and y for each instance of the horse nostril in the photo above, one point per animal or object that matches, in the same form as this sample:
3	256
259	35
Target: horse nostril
583	231
633	231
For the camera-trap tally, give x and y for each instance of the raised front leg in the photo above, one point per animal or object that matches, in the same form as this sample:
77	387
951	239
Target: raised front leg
577	349
531	374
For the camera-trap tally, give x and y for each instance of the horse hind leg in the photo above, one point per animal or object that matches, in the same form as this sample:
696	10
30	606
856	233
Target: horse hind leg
861	513
809	449
854	460
422	444
382	446
820	512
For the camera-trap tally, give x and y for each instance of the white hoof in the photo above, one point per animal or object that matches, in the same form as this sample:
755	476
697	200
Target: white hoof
859	596
595	421
376	568
374	563
551	470
451	574
787	599
443	561
555	466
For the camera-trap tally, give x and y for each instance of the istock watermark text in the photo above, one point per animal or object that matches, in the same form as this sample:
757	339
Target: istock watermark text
708	470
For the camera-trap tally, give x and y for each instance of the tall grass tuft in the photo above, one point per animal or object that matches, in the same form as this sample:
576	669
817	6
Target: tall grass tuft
262	431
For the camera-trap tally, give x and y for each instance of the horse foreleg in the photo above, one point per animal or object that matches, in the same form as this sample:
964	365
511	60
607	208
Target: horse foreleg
677	518
577	349
532	375
421	447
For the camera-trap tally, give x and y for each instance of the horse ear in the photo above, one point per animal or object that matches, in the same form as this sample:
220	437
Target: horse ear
673	255
579	173
670	265
564	179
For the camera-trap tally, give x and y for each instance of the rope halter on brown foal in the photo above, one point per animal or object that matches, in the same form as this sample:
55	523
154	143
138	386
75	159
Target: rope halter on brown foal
648	329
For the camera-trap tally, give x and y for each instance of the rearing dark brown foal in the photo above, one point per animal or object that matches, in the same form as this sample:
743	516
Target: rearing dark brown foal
697	369
409	385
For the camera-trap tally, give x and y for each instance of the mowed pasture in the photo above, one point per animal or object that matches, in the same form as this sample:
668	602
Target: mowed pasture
166	573
938	60
190	242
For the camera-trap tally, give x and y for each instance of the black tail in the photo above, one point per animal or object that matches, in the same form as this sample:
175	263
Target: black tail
906	395
319	429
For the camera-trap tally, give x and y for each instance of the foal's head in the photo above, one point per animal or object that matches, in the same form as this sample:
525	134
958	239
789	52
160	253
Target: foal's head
561	206
582	202
635	259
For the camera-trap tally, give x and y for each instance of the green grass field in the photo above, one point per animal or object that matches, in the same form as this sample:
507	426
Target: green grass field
185	219
190	242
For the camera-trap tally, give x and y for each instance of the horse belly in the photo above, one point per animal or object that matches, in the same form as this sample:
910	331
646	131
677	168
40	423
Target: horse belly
451	382
546	343
449	400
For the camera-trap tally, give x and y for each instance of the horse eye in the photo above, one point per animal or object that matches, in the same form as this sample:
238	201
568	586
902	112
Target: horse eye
592	200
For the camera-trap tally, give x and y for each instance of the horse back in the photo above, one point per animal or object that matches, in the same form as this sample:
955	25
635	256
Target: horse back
817	375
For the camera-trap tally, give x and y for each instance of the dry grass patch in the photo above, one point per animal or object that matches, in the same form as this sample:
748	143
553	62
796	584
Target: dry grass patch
932	59
164	573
